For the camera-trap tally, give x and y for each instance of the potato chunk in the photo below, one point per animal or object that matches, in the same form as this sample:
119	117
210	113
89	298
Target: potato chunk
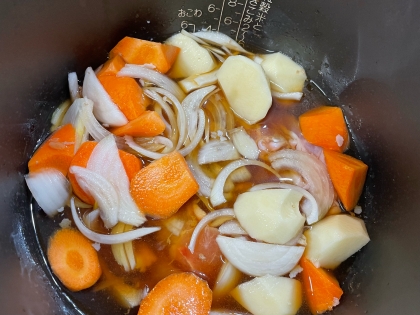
285	75
192	59
246	88
270	215
334	239
269	295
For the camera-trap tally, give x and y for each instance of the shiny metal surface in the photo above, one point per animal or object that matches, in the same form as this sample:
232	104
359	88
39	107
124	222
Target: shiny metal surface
364	54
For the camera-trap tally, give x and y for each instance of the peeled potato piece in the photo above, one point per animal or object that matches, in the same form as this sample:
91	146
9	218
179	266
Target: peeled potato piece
192	59
285	75
334	239
270	215
269	295
246	88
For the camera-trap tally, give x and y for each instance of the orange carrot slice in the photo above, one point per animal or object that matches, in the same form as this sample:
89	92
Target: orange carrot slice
179	293
73	259
163	186
321	288
112	66
141	52
131	165
126	93
56	152
348	176
148	124
325	126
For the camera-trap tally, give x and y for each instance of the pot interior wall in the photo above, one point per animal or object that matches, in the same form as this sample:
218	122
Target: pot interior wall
364	55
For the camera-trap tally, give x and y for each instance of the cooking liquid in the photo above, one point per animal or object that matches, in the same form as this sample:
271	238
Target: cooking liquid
281	118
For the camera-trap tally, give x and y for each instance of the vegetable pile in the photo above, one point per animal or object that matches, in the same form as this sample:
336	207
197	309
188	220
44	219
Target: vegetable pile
189	192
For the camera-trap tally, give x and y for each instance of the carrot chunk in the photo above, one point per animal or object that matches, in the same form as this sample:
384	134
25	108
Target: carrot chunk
325	126
130	162
321	288
179	293
73	259
163	186
138	51
56	152
348	176
126	93
148	124
112	66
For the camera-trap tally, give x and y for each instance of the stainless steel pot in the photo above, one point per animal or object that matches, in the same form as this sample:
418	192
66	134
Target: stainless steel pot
363	54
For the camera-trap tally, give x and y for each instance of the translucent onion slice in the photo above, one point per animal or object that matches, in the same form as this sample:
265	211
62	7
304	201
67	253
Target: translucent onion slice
50	188
205	221
106	238
227	279
102	191
161	80
198	135
204	181
232	228
259	259
243	142
217	151
294	96
314	174
123	253
216	197
172	127
59	113
105	160
144	152
180	117
312	207
240	175
198	81
192	36
191	105
93	127
105	110
74	87
219	39
89	218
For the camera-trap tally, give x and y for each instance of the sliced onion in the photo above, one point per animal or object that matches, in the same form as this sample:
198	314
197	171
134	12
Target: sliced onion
227	279
259	259
173	128
206	220
198	81
294	96
204	181
180	117
315	175
90	217
74	116
232	228
198	135
104	109
192	36
217	151
161	80
216	197
101	190
312	207
240	175
219	39
74	87
191	105
58	115
105	160
123	252
50	188
144	152
105	238
243	142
